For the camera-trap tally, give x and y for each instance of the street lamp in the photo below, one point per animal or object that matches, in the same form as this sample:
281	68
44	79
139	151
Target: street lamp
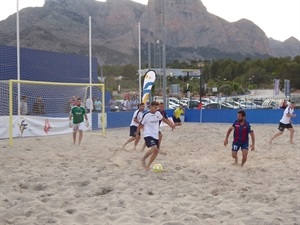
200	65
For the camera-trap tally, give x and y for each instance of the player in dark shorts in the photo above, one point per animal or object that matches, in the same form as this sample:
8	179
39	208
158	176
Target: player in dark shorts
136	119
286	123
161	108
241	129
176	115
150	124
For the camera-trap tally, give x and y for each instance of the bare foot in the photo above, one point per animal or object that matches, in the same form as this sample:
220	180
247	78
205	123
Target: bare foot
292	143
270	142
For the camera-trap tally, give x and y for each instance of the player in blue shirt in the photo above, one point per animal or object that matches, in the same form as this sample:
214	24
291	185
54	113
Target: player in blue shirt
241	129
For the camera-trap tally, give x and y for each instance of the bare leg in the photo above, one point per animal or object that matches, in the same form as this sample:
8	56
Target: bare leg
292	131
80	137
160	136
234	155
276	135
74	137
128	141
245	155
150	152
153	157
137	139
143	148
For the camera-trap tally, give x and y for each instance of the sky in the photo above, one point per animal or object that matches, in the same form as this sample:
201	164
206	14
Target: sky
279	19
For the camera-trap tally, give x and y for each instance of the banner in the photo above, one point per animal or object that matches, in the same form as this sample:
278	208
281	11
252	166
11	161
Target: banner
287	88
276	86
149	79
30	126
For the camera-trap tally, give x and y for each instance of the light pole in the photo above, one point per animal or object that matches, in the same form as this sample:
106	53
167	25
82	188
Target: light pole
164	58
200	65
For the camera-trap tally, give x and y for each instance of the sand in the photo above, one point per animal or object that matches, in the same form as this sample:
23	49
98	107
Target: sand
50	181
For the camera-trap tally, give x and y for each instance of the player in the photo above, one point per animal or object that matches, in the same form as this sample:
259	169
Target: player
161	108
286	122
136	119
150	124
242	129
164	114
176	115
78	113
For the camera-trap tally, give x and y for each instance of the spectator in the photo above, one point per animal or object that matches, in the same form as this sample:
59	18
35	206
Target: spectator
200	105
89	105
23	106
284	104
38	106
134	104
98	105
126	105
112	104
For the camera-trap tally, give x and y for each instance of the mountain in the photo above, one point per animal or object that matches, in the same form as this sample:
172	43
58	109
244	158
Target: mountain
290	47
191	32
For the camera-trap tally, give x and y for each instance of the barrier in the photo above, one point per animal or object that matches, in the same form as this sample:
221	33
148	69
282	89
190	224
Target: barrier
263	116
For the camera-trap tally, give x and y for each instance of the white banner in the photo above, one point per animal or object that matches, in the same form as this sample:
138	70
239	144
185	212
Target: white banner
149	79
28	126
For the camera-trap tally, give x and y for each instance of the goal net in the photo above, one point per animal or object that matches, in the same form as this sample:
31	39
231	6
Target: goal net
36	108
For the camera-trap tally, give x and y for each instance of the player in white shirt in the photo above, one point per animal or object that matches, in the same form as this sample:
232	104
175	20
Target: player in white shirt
150	124
136	119
286	123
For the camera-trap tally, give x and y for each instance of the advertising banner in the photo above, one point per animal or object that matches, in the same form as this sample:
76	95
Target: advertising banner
29	126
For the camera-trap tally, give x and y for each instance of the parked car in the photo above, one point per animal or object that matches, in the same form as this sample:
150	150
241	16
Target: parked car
233	104
176	101
248	105
217	106
192	104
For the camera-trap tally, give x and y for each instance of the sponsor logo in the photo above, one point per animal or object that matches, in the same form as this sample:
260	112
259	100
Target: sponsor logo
22	126
47	126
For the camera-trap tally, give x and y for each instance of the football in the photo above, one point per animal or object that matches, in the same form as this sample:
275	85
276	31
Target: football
157	168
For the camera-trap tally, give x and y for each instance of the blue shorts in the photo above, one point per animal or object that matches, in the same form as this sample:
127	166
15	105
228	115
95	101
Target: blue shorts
150	141
133	130
240	145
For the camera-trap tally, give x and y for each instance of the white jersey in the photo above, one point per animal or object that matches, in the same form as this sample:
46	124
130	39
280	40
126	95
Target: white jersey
151	124
285	119
136	115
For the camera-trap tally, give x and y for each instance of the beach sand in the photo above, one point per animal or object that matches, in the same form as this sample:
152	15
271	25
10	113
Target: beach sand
47	180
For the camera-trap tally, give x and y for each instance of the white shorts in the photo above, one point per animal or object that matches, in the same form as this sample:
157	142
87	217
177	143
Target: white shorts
78	126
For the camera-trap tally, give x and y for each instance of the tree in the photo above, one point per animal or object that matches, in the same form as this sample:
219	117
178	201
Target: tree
226	89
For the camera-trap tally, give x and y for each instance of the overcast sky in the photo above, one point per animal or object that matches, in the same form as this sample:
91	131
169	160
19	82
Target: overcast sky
277	18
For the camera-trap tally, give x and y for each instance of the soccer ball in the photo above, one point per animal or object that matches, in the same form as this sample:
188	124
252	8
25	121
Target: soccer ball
157	168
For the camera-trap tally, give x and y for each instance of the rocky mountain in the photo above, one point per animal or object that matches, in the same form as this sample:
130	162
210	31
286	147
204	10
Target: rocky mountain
191	32
290	47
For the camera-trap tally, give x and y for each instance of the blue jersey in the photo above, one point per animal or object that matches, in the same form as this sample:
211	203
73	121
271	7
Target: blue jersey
241	132
164	114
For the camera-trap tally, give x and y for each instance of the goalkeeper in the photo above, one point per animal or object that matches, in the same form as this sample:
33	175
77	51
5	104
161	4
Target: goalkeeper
78	112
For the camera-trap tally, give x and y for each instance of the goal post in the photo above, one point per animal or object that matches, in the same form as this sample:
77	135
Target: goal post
45	107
